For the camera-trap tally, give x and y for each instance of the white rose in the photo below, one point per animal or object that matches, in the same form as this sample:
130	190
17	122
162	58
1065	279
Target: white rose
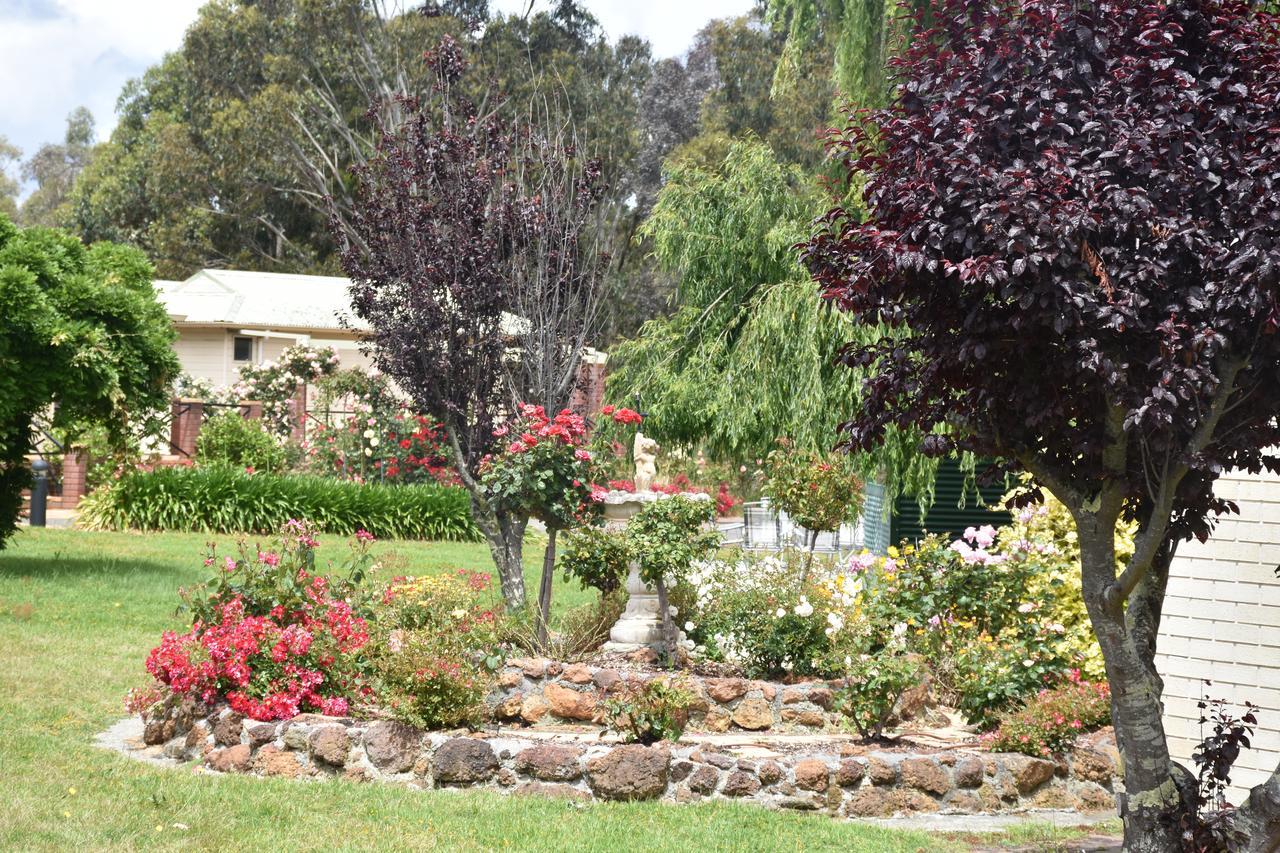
373	442
688	626
781	612
368	433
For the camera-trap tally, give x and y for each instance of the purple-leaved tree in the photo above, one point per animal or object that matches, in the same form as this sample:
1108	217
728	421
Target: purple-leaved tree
1071	226
473	249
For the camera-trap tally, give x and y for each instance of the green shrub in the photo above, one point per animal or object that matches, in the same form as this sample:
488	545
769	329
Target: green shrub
227	500
228	438
597	557
650	711
873	684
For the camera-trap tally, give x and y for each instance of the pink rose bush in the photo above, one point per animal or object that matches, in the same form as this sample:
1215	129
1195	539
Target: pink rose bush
270	635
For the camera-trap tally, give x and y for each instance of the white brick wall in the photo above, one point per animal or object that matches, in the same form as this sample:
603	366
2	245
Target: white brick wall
1222	623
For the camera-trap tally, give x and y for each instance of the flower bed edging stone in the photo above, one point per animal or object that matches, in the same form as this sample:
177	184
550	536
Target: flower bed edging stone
535	691
880	784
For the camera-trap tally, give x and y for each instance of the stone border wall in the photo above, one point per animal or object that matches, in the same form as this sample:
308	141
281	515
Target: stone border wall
820	778
536	691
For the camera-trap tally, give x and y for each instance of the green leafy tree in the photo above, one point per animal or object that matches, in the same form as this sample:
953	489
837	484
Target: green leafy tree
9	153
54	169
81	334
863	35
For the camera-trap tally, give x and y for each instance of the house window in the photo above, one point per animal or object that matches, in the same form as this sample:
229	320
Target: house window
242	349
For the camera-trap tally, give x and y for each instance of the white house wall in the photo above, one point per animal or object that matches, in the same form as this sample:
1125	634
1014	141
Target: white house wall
206	354
1222	623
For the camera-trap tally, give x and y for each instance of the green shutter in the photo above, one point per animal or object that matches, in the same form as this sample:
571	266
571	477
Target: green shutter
946	517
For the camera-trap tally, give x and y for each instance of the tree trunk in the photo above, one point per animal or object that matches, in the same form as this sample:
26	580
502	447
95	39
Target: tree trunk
505	536
1156	800
544	589
670	636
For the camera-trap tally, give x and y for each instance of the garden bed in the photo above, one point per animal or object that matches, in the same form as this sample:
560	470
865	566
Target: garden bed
826	774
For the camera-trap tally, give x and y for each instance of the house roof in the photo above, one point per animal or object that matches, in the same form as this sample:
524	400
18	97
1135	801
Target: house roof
268	300
259	299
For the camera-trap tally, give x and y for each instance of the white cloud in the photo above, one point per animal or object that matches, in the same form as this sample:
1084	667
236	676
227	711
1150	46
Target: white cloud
669	25
56	55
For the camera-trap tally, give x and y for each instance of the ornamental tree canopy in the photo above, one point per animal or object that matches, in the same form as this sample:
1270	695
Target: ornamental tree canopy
1073	235
1073	225
81	330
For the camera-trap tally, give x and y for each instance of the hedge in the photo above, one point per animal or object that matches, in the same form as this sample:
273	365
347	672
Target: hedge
229	500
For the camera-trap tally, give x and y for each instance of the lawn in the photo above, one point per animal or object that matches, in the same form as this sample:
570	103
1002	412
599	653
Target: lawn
78	612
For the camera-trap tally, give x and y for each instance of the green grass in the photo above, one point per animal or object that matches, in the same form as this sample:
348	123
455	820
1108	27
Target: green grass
78	612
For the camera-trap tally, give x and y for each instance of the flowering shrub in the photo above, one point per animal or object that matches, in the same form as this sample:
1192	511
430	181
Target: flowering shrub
270	636
274	383
394	447
436	649
1050	721
1050	532
280	578
755	613
543	472
962	609
818	494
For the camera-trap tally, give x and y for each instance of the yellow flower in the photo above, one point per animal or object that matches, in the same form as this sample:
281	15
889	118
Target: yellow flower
71	791
893	552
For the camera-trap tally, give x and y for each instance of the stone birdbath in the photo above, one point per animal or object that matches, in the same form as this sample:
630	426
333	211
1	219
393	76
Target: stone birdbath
640	625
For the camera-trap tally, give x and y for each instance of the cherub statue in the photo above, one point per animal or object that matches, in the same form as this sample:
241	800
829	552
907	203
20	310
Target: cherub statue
646	452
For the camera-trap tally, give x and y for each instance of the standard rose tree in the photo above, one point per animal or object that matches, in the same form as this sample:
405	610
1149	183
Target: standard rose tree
1069	225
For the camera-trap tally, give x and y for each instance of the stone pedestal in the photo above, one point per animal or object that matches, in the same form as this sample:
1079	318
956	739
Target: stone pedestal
640	625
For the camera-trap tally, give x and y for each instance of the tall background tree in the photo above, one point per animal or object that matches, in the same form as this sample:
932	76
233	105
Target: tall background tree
1071	228
54	169
9	186
83	340
475	257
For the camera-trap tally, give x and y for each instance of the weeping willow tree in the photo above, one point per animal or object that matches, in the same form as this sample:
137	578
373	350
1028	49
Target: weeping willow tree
863	33
748	356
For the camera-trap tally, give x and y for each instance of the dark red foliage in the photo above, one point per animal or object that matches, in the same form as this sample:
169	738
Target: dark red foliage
1072	228
465	245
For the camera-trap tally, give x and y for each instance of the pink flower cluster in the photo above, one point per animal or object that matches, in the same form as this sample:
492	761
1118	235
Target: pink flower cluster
267	667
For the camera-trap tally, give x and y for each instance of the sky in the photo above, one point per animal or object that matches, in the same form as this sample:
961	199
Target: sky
56	55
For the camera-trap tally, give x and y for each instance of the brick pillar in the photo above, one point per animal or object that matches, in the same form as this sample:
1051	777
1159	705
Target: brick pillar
251	409
298	414
188	414
75	471
588	392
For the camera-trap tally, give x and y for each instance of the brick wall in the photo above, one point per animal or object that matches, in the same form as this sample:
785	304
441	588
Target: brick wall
1222	623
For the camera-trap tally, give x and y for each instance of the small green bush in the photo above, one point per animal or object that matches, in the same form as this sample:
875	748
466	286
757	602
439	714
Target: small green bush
228	438
650	711
229	500
597	557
